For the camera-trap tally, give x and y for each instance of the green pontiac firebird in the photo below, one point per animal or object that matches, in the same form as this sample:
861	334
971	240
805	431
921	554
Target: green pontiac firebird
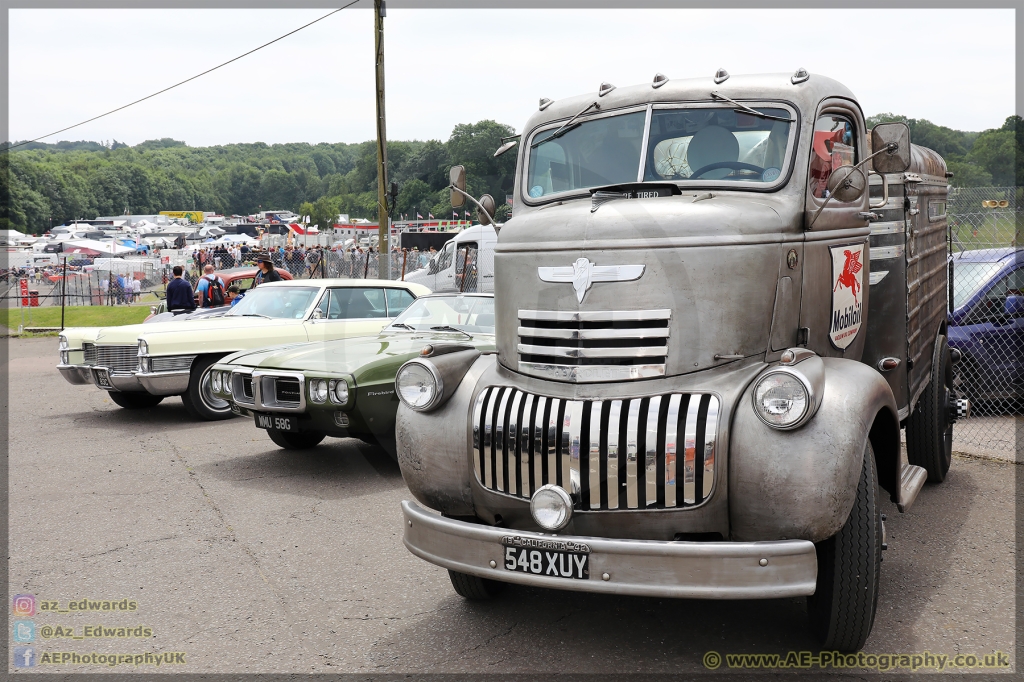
302	393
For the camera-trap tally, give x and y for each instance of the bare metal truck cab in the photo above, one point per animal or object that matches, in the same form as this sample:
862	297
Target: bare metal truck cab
718	301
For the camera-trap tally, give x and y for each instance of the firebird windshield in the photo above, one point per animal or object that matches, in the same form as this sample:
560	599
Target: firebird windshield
463	313
715	144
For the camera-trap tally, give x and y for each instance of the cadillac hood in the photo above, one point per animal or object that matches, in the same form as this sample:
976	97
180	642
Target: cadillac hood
710	265
368	358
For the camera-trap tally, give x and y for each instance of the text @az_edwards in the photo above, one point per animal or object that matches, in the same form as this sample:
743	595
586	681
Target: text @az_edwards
93	605
924	660
95	632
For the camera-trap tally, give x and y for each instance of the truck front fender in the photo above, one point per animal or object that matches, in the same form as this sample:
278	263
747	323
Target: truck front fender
801	484
433	447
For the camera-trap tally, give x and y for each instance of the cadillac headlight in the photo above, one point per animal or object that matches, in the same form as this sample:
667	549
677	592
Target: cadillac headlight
338	389
217	385
64	357
419	385
318	390
781	400
62	343
143	347
145	365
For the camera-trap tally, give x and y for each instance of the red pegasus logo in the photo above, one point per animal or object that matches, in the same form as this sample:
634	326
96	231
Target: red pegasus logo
847	278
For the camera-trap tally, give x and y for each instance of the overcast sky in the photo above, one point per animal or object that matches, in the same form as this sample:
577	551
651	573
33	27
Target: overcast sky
458	66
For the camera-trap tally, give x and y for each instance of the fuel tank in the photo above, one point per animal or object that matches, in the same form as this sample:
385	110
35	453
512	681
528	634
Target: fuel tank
695	276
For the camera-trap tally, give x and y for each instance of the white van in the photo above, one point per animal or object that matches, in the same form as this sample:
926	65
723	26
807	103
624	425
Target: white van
464	263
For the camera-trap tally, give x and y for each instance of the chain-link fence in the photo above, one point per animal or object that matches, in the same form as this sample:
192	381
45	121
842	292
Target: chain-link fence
987	313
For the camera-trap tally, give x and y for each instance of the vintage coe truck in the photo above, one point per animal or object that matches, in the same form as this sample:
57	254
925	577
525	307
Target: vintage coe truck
718	302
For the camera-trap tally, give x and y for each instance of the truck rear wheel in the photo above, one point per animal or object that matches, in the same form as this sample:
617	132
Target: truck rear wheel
930	428
842	609
473	587
134	400
296	441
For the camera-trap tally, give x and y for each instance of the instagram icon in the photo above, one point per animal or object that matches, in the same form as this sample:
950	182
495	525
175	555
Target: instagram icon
24	605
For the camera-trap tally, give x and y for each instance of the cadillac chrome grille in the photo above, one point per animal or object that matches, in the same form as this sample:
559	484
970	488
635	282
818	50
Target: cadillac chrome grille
589	346
612	454
172	363
120	359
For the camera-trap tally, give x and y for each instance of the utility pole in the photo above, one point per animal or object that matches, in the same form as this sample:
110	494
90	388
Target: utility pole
383	251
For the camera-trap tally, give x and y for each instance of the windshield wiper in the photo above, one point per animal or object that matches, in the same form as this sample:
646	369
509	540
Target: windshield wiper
255	315
403	325
449	328
747	110
566	127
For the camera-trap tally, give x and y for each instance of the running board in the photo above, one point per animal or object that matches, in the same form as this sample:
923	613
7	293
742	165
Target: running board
912	479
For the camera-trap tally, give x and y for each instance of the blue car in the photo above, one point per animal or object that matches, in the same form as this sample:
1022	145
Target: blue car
986	324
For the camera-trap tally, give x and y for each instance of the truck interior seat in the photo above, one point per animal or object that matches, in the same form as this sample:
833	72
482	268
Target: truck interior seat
712	144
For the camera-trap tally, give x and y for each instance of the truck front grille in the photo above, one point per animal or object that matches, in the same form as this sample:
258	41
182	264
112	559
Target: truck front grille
609	454
589	346
120	359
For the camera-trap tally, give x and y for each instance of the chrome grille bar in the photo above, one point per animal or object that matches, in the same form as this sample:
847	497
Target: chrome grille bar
522	441
591	346
119	359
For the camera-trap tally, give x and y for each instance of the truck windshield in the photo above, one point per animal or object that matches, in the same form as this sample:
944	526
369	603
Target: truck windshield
717	143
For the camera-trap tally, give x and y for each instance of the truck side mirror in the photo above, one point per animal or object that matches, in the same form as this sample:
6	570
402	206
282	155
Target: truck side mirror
896	136
487	202
847	183
457	177
1014	306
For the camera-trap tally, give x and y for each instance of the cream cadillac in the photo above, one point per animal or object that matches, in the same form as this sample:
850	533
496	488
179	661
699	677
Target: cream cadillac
139	365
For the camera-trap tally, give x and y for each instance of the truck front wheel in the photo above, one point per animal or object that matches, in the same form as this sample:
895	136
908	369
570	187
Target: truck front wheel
472	587
842	608
930	427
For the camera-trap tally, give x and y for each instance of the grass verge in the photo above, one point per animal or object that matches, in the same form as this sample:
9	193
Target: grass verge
74	316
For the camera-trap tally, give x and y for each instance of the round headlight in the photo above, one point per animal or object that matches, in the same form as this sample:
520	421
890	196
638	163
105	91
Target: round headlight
62	342
318	390
339	391
216	382
418	387
781	400
145	365
226	379
64	357
143	347
551	507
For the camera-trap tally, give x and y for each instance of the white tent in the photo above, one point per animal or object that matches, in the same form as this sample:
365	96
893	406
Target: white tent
104	247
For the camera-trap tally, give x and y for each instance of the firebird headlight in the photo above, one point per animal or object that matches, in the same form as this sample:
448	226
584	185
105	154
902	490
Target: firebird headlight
318	390
226	381
217	385
782	400
338	390
419	385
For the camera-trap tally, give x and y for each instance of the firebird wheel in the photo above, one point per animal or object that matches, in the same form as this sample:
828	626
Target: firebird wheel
199	400
473	587
930	426
842	609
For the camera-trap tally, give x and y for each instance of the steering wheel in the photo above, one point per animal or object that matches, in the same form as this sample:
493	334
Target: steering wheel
735	165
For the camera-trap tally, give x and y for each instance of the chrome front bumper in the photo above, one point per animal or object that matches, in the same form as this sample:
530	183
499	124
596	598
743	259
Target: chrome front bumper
76	374
164	383
650	568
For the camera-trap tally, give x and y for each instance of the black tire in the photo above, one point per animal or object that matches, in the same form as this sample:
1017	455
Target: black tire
472	587
199	400
134	400
296	441
929	427
842	609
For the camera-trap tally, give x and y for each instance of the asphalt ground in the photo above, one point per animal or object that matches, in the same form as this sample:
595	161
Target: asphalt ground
248	558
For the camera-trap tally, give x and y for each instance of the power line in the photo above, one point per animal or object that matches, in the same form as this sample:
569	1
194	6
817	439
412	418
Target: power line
160	92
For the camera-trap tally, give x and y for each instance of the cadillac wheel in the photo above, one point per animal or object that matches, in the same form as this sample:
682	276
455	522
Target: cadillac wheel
199	400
